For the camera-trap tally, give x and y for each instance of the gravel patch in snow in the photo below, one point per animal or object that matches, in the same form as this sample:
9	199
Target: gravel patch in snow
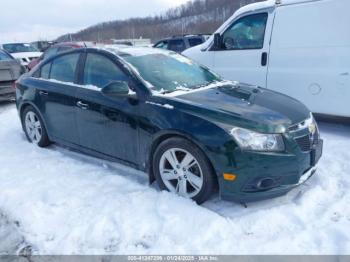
68	203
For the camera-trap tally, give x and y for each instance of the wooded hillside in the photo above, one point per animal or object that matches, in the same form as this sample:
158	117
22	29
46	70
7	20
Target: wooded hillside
194	17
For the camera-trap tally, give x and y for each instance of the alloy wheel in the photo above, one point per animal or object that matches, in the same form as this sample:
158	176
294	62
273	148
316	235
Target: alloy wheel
33	127
181	172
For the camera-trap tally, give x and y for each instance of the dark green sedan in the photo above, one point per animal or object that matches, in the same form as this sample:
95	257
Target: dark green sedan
159	112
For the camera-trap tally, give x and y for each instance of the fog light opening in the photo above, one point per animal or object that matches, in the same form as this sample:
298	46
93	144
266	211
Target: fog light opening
265	183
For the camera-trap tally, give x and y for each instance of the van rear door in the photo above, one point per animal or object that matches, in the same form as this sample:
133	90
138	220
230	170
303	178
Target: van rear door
244	49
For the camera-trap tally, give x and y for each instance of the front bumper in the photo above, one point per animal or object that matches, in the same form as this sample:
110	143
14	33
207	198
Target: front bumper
285	171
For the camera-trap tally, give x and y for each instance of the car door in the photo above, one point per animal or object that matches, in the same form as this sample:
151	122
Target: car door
243	54
106	125
56	90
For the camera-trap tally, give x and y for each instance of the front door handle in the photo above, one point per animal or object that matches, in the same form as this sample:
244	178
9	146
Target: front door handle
264	59
43	93
82	105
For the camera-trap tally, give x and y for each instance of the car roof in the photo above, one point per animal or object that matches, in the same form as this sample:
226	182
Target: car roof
175	37
74	44
115	50
134	51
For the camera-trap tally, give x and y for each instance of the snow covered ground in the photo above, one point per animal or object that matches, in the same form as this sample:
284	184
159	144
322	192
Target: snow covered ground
61	202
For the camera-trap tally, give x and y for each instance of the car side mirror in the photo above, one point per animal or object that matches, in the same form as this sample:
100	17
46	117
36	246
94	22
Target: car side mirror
217	41
116	89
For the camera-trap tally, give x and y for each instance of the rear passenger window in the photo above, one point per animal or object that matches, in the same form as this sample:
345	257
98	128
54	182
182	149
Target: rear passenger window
177	45
195	41
45	71
100	70
63	68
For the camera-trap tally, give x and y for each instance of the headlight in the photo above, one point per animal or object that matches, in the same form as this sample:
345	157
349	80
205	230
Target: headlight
250	140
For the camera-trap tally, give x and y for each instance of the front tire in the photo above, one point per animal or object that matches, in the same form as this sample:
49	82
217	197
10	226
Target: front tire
34	127
182	168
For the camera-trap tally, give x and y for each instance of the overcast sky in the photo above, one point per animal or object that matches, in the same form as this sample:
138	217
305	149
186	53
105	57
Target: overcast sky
25	21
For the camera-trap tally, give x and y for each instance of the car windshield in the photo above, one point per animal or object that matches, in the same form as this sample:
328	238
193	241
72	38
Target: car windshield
168	72
19	48
4	56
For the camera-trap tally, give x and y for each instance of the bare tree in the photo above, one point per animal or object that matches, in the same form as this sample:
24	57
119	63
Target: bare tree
193	17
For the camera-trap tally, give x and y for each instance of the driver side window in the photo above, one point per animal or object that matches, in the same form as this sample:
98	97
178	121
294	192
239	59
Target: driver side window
246	33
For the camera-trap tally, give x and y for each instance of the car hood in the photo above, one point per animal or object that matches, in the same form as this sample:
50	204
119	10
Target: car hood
245	106
26	54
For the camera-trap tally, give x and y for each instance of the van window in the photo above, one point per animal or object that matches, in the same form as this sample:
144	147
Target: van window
63	68
246	33
100	70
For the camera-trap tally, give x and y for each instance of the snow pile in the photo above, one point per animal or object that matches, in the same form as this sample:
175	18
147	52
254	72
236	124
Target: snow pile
67	203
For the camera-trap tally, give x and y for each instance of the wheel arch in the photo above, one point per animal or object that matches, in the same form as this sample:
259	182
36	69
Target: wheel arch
26	104
167	134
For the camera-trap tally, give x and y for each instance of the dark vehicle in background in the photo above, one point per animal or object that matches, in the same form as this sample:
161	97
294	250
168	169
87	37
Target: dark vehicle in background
181	43
10	71
56	49
162	113
42	46
23	52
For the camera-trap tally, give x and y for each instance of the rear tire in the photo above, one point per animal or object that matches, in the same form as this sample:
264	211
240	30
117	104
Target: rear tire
182	168
34	127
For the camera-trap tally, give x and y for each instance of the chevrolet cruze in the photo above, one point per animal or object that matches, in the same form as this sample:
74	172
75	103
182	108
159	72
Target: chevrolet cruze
160	112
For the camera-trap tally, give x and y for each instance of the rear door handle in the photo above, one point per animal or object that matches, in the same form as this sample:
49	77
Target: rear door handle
264	59
43	93
82	105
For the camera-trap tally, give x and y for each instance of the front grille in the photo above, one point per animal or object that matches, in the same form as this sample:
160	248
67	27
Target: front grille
306	142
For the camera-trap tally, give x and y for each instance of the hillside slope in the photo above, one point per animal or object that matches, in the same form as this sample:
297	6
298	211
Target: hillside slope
199	16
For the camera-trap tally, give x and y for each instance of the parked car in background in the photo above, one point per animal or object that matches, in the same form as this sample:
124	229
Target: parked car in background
10	71
42	46
56	49
23	52
160	112
181	43
298	47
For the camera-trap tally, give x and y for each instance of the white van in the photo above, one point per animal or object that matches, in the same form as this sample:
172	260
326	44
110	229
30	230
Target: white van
297	47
